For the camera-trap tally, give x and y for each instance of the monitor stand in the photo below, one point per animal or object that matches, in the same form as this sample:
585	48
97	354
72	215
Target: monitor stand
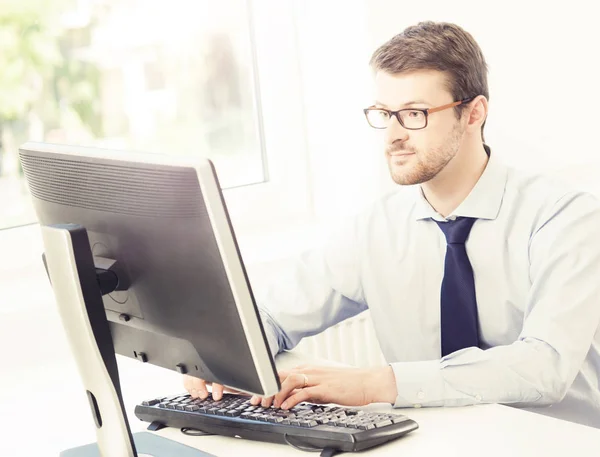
78	288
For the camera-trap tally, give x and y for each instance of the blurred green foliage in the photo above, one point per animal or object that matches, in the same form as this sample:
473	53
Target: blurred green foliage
39	72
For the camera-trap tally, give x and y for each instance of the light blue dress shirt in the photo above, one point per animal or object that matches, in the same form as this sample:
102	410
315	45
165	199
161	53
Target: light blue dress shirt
535	252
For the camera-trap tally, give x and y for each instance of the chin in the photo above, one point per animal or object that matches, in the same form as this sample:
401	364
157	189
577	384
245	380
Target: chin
410	177
404	179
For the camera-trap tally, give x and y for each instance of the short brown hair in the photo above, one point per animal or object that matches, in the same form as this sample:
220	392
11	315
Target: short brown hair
437	46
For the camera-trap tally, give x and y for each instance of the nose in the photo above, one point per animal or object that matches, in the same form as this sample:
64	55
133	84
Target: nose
395	132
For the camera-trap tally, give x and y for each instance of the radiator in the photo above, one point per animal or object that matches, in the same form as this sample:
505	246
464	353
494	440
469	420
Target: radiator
352	342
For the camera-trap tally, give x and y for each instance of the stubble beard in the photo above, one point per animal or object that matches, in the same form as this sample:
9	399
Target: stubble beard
427	164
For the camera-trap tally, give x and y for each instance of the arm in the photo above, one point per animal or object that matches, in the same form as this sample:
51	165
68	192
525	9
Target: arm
562	316
320	289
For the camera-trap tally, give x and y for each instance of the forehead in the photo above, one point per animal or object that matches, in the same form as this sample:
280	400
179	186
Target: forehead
429	86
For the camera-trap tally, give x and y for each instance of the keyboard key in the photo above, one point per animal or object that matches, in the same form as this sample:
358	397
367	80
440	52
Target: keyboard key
384	423
311	423
305	412
151	402
191	408
233	413
365	426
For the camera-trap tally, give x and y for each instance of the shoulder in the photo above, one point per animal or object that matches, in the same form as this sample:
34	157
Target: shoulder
549	199
375	217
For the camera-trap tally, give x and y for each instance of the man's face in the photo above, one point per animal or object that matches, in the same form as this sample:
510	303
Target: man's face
417	156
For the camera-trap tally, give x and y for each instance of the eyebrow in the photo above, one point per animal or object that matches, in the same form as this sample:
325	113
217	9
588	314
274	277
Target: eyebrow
412	102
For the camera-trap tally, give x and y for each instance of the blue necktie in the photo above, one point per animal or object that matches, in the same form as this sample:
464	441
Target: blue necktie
459	325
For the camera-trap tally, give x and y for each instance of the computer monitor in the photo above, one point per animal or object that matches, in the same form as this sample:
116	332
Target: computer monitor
141	247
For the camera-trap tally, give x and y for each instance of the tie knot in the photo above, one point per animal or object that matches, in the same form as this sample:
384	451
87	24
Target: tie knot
457	231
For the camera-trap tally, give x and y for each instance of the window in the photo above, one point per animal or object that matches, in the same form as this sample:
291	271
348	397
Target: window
216	79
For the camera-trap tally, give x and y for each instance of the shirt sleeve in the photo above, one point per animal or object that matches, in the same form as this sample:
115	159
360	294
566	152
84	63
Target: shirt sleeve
320	289
562	316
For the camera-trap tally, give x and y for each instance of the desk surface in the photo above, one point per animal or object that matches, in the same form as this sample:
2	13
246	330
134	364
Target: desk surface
490	430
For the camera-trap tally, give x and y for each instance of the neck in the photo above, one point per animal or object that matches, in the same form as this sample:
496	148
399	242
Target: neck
447	190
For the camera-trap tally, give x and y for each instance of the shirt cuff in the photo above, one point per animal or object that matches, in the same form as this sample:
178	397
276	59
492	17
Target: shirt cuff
270	332
419	384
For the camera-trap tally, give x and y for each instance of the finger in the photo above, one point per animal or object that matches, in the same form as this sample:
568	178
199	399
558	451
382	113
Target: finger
266	402
187	383
307	394
217	391
199	388
295	381
256	399
283	375
195	386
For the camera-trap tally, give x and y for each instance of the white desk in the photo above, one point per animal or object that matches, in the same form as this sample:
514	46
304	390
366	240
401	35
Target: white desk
484	430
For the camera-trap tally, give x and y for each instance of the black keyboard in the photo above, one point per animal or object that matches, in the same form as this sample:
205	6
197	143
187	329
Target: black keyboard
304	426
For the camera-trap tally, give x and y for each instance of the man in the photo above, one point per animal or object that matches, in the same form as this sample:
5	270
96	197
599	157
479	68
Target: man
483	282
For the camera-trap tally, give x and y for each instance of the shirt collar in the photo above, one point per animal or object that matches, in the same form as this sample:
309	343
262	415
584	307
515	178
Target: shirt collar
484	200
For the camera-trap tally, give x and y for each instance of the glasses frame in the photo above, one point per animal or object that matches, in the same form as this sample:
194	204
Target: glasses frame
425	111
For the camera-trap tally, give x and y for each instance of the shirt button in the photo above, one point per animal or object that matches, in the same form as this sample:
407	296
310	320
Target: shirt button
478	397
417	405
421	395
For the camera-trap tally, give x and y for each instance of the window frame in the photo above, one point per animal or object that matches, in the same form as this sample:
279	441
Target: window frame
283	200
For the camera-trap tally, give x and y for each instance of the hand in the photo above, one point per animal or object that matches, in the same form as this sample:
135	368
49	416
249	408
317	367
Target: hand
343	386
196	387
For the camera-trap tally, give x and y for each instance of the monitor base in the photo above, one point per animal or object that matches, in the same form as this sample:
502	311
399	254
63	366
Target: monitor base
146	444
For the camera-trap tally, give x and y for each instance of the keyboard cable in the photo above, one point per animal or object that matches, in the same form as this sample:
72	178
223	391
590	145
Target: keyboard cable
325	452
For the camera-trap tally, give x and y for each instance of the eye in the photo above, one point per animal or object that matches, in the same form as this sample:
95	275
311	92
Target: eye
415	114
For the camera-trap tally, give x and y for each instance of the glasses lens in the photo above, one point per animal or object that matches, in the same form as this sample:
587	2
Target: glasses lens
413	119
378	118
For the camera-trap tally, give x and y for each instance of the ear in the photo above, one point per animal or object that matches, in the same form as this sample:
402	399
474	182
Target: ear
477	113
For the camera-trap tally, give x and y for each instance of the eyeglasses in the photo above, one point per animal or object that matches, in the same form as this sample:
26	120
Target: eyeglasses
410	118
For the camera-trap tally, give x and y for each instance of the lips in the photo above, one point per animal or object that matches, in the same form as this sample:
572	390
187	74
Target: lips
402	154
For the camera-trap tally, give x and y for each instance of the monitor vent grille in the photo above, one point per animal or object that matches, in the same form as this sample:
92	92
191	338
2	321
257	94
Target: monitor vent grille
155	191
